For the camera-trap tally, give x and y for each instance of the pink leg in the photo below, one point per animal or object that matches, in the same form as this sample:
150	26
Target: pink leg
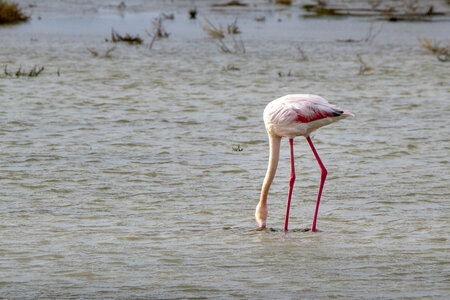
291	183
322	181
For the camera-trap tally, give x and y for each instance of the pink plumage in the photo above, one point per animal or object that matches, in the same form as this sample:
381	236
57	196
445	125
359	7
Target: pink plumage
300	114
291	116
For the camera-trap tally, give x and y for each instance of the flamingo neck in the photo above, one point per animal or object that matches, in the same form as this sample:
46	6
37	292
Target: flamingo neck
274	156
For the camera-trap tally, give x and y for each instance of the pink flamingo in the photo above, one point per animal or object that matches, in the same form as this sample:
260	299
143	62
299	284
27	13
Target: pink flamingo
291	116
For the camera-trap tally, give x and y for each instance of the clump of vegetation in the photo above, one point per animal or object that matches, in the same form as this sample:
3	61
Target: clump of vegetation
442	52
213	31
227	43
116	37
284	2
406	10
237	148
10	12
231	3
34	72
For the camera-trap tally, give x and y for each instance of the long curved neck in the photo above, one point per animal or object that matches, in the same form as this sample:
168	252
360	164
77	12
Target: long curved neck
272	168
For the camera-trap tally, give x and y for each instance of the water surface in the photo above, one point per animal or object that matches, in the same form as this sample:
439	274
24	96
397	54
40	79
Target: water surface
119	180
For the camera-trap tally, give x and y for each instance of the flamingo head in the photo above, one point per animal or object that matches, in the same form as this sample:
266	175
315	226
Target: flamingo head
261	215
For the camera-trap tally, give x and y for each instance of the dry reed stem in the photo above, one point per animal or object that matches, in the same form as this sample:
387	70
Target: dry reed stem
158	28
158	31
212	31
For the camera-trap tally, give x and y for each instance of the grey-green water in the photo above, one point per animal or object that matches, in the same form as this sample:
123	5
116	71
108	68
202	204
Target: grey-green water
118	177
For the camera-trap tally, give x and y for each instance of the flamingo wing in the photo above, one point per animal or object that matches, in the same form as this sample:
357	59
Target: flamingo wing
308	108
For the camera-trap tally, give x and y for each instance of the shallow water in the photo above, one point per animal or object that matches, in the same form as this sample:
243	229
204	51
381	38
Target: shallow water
119	179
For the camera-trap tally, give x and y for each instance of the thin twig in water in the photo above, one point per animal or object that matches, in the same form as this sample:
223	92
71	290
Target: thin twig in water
363	66
239	46
35	71
153	36
159	28
158	31
5	71
107	52
92	51
302	53
370	36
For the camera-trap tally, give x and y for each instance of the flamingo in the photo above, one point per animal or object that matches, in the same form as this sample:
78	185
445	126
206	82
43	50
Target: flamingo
291	116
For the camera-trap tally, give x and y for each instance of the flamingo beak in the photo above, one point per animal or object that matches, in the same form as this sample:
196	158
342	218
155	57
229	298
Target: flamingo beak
261	224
